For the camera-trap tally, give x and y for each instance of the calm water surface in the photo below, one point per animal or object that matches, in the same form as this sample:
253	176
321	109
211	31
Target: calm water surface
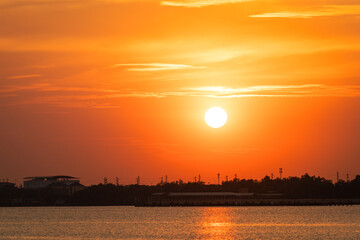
180	223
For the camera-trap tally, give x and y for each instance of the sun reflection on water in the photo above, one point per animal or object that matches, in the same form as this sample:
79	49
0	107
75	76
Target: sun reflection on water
216	223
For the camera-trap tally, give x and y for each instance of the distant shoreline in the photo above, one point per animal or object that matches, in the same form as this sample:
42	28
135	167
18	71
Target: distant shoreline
292	191
237	203
247	203
256	202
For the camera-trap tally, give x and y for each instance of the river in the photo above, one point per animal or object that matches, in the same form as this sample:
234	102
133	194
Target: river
75	223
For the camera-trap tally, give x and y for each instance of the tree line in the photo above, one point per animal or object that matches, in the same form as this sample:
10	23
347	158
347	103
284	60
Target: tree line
305	186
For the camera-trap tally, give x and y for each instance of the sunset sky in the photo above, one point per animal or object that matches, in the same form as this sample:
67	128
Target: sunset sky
106	88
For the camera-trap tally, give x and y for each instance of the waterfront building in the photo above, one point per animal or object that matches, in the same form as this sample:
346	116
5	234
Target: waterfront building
6	185
44	181
59	184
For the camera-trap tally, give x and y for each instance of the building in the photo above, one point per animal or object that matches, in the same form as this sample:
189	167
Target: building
43	182
7	185
58	185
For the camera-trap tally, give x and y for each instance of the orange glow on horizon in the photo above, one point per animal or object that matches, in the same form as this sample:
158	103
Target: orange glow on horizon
119	88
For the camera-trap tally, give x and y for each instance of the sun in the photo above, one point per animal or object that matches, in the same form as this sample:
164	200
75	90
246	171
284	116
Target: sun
215	117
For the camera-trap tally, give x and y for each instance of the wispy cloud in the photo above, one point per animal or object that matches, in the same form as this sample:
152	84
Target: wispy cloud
308	90
13	89
150	67
74	97
25	76
326	11
199	3
30	3
5	4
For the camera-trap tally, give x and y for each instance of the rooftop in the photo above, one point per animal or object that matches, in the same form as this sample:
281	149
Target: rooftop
50	177
6	184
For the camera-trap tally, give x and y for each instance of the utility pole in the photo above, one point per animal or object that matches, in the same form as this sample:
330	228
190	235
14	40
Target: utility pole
227	179
166	179
117	181
235	177
199	179
138	180
195	179
347	177
272	176
105	181
280	171
337	176
161	180
218	178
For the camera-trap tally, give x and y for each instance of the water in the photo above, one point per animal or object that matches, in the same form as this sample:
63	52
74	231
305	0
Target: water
75	223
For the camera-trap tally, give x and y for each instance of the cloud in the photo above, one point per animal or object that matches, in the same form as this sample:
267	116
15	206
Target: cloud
199	3
30	3
151	67
70	97
77	97
25	76
13	89
5	4
208	91
308	90
325	11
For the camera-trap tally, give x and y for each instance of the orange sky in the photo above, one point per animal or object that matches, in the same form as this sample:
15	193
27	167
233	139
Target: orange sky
96	88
